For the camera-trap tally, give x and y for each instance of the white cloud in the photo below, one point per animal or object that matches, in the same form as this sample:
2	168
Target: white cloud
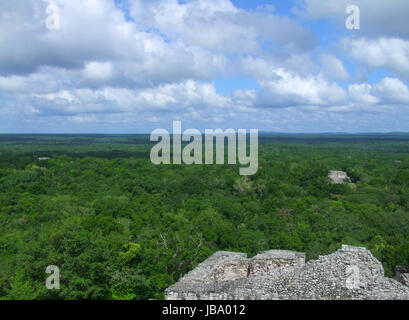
387	92
98	71
264	68
90	30
392	90
12	83
361	93
333	68
219	26
288	89
102	68
94	36
390	53
169	97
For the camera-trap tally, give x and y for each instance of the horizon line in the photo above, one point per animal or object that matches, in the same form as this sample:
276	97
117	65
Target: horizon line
262	132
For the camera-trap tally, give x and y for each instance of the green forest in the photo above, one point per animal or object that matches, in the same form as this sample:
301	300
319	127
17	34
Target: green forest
119	227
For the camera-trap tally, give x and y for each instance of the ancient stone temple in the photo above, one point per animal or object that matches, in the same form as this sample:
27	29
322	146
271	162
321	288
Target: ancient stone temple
339	177
349	273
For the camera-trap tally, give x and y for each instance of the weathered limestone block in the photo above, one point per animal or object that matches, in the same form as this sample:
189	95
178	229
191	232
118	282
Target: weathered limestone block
266	261
349	273
210	271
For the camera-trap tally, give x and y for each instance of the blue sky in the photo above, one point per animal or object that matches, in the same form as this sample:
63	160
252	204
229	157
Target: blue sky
121	66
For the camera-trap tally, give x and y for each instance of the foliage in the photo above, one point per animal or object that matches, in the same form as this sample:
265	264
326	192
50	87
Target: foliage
120	227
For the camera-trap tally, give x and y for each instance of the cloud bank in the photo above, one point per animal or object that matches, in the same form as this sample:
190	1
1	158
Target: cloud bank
132	66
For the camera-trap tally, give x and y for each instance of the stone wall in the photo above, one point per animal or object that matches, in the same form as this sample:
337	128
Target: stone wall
231	266
349	273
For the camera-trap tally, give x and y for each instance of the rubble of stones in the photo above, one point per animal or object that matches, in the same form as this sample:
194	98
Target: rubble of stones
351	273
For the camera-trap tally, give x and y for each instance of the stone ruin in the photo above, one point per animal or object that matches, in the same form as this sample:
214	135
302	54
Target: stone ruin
402	274
351	273
43	159
339	177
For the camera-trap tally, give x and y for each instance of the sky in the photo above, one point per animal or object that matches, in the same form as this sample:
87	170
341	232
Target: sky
132	66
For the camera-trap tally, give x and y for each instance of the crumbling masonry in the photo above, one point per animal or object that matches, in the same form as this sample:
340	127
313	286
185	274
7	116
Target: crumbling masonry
351	273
